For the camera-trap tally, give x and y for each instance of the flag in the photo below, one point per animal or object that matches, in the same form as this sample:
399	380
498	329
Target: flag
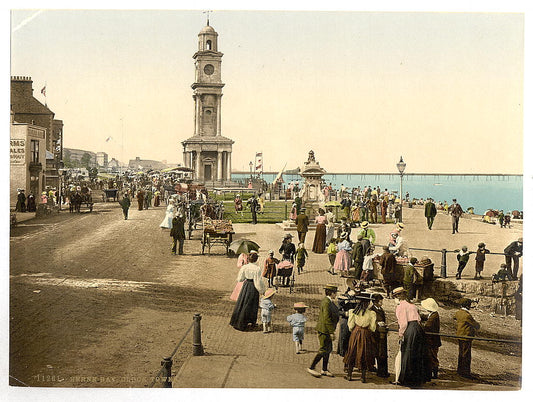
108	139
259	161
43	91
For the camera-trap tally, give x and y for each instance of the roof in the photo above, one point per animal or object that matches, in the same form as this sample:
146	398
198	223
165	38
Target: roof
207	29
208	139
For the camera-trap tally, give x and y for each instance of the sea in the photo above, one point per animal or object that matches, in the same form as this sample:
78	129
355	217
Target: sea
478	191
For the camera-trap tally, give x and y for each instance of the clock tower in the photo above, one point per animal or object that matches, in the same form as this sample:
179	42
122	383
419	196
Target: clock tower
207	151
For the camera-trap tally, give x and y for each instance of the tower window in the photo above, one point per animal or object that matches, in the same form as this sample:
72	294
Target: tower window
208	43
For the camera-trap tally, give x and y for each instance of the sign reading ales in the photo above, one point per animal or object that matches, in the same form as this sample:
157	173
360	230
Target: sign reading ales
18	152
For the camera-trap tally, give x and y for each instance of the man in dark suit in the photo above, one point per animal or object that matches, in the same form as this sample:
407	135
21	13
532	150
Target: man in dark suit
302	225
455	211
430	211
513	252
328	317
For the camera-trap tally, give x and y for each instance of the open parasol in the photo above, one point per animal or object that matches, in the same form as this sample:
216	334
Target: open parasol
243	246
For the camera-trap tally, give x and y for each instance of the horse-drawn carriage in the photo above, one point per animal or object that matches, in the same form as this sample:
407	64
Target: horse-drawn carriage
77	199
110	193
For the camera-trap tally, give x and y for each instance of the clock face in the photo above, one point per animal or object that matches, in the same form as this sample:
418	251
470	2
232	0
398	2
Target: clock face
209	69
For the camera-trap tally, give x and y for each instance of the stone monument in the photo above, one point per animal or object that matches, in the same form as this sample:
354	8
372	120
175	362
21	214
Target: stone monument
311	193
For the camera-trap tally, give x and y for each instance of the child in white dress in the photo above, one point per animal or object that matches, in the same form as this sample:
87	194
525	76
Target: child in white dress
266	310
297	322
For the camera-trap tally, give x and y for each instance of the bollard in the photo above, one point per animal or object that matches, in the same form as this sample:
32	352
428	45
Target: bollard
197	348
166	371
443	264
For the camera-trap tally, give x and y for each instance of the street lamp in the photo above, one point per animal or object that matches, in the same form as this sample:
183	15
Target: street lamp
251	166
401	168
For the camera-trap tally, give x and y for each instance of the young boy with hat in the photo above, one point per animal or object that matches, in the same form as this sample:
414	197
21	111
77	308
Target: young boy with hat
328	317
462	257
466	326
266	310
297	322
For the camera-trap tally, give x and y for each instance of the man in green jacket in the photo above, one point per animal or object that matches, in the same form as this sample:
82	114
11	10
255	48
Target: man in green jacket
328	318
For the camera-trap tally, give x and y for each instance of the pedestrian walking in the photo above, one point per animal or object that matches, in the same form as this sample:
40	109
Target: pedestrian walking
238	205
267	306
367	232
480	259
414	369
389	270
178	234
254	205
380	336
346	302
330	226
332	253
343	259
270	268
431	323
358	255
245	311
319	243
328	317
466	326
361	351
297	322
31	202
169	215
430	211
125	204
455	211
21	201
368	267
302	225
140	199
513	252
384	204
301	257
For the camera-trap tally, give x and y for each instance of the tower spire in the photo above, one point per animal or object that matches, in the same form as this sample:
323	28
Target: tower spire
207	12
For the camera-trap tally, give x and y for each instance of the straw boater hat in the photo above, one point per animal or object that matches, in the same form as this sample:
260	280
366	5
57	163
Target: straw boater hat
269	293
271	252
331	287
430	304
400	225
364	296
398	290
300	305
364	224
344	235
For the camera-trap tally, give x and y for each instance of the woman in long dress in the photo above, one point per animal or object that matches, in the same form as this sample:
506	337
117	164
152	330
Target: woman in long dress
169	215
330	227
247	306
319	244
415	366
343	259
361	351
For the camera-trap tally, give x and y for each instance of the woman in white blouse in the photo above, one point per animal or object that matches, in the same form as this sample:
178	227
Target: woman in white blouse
247	306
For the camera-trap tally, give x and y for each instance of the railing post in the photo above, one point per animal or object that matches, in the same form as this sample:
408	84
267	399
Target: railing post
167	371
443	264
197	348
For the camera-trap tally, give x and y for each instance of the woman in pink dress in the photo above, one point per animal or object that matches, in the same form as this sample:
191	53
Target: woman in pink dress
319	244
343	259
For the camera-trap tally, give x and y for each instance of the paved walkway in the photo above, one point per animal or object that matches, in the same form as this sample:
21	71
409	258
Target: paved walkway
257	360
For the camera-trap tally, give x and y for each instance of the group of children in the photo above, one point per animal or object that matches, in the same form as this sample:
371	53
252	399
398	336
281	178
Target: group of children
463	256
296	321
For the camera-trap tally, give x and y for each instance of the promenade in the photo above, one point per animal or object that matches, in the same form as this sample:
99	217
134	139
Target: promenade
257	360
110	294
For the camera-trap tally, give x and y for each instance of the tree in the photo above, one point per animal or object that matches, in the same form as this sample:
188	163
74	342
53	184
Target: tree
85	160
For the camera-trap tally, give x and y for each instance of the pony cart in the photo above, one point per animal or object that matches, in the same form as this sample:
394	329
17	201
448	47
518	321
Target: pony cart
216	232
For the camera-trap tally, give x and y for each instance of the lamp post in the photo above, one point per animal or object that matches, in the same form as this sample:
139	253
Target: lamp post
251	166
401	168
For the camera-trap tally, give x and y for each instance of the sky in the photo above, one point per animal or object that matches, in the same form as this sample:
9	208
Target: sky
444	90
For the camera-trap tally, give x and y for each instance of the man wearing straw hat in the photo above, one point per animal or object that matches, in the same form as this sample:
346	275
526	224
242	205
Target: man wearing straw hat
326	325
432	324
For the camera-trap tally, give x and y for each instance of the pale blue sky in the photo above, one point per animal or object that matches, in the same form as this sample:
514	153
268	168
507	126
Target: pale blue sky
445	90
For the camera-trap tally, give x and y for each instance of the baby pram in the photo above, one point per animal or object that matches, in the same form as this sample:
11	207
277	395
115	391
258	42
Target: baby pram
285	275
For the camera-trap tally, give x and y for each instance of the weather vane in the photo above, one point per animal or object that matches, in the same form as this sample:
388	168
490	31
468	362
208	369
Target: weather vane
207	12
